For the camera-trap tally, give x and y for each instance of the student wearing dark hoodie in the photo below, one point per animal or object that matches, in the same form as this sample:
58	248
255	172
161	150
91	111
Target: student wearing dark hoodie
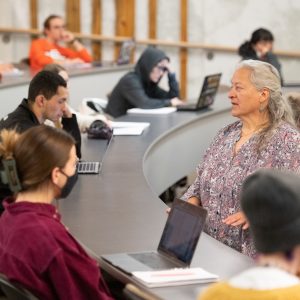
259	47
139	88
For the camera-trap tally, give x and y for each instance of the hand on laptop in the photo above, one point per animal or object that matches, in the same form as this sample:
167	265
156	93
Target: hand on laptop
176	101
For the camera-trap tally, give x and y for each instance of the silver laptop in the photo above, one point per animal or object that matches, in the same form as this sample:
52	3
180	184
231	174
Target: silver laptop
125	52
177	244
88	167
207	95
123	58
93	167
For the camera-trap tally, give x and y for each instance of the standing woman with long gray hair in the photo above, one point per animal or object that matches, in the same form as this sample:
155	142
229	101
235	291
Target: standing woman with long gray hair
265	136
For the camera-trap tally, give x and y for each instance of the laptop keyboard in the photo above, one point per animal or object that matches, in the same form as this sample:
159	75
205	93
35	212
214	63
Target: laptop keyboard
153	260
88	167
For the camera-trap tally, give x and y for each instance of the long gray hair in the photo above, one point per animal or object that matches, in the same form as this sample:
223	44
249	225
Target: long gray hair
263	75
294	100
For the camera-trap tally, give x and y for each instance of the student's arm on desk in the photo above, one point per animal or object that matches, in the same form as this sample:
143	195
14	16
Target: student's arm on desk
134	92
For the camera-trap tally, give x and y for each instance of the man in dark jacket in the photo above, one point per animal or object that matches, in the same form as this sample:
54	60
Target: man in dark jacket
47	98
139	88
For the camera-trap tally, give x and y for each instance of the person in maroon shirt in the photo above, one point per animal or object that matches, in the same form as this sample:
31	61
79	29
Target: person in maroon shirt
36	249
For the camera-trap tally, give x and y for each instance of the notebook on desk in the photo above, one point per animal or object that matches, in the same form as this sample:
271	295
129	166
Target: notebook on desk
177	244
207	95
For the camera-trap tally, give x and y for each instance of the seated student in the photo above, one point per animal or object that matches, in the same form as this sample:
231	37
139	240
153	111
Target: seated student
47	98
84	121
36	249
271	202
260	48
48	50
139	88
294	100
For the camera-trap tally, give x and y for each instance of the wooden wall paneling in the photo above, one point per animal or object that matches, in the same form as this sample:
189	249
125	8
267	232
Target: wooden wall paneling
183	51
33	8
96	28
125	21
152	9
34	14
73	15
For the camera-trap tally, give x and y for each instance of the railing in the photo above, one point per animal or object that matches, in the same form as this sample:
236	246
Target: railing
178	44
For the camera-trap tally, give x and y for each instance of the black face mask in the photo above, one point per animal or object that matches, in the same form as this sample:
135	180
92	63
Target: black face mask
71	180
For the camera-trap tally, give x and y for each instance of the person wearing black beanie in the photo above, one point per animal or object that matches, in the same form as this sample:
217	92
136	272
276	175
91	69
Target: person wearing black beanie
270	200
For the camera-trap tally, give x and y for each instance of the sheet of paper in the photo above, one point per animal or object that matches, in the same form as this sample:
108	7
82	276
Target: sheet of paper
155	111
129	131
175	277
129	124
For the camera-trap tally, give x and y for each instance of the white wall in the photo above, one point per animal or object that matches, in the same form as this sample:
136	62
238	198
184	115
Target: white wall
223	22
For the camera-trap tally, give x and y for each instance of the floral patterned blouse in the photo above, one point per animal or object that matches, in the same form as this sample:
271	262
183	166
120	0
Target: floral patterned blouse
221	174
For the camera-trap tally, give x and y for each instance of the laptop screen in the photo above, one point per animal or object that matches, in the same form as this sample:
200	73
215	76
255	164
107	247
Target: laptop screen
182	231
125	52
209	90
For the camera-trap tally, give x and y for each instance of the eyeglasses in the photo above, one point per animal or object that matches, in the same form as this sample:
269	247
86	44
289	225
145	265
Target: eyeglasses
162	68
58	27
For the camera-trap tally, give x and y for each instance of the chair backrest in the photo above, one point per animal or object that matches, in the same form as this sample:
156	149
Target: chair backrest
132	292
14	291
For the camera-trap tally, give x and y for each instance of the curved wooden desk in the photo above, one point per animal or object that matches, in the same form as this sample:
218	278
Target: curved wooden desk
119	210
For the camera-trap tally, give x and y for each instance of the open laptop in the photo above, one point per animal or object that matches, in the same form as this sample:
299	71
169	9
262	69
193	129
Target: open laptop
88	167
125	52
207	96
177	244
124	55
92	167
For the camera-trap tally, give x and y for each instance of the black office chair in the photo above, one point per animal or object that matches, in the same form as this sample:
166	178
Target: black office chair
14	291
132	292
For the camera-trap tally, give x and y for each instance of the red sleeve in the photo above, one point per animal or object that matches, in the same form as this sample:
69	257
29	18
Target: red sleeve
77	278
39	47
37	56
69	53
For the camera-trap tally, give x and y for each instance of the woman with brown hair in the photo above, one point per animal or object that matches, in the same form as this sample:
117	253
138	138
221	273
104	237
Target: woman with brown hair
36	249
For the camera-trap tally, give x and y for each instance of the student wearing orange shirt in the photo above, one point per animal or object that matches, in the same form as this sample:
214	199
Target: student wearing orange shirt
49	50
